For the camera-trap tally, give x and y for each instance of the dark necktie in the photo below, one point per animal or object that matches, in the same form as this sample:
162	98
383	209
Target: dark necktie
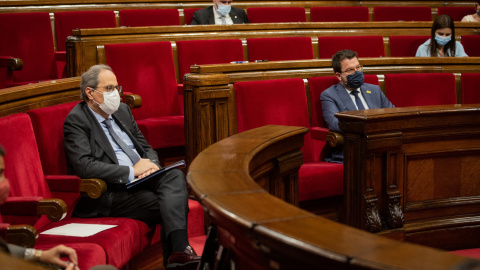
130	153
357	100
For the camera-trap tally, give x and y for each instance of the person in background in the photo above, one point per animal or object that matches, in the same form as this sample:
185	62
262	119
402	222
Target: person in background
221	12
442	42
350	94
473	17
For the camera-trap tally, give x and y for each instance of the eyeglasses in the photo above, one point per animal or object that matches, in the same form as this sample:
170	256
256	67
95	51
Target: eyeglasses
350	71
111	88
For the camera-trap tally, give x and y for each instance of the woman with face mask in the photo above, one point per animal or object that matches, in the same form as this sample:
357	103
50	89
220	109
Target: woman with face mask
473	17
442	43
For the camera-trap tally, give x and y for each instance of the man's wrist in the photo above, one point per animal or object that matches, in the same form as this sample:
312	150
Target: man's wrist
32	254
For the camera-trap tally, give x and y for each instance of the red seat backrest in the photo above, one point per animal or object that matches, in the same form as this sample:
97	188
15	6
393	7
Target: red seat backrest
365	46
339	14
149	17
470	90
281	48
276	14
28	36
48	127
188	15
147	69
471	44
319	84
420	89
66	21
385	14
204	52
406	46
457	13
273	102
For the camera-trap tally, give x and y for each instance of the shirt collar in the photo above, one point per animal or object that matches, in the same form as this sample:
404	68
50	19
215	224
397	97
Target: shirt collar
99	118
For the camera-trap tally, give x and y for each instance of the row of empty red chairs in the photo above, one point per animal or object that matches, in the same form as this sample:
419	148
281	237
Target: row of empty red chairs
36	166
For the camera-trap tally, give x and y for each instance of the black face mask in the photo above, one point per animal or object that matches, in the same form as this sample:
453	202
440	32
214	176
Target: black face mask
355	80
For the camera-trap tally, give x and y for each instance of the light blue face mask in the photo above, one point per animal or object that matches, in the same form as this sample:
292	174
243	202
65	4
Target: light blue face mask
442	40
224	9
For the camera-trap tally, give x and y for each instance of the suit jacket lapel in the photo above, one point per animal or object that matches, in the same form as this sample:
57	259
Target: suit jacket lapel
234	17
211	17
367	97
344	96
117	116
99	135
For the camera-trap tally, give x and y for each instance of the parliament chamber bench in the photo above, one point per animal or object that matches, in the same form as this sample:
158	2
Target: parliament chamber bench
85	47
256	230
32	119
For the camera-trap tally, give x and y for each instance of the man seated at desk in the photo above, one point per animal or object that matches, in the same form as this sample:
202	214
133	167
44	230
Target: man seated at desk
221	12
351	93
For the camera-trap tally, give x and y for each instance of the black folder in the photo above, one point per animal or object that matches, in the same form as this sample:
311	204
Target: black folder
137	181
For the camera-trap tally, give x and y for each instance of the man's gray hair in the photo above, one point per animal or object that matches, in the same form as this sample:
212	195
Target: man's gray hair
90	79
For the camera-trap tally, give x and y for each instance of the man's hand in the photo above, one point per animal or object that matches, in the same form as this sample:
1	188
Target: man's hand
52	256
144	167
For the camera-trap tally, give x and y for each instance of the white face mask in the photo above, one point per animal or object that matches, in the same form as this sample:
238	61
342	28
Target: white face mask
111	101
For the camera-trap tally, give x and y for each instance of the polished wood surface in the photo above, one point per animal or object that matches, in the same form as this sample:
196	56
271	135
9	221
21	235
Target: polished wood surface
260	231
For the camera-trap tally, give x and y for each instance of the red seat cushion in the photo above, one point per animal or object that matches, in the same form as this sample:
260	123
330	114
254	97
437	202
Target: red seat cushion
204	52
149	17
339	14
421	89
163	132
470	93
471	44
472	253
457	13
365	46
384	14
406	46
313	186
66	21
276	14
277	49
188	15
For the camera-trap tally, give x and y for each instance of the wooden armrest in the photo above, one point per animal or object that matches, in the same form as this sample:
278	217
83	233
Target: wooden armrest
334	139
94	187
11	63
54	209
22	235
132	100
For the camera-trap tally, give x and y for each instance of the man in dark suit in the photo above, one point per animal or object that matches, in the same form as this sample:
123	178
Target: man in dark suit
351	93
102	140
221	12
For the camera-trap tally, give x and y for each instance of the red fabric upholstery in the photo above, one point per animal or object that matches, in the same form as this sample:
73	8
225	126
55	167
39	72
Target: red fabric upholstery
65	22
89	254
471	44
28	36
457	13
420	89
281	48
284	102
339	14
385	14
472	253
149	17
204	52
188	15
470	93
150	73
365	46
406	46
276	14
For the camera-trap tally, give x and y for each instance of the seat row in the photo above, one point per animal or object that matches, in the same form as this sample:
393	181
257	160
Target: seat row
36	167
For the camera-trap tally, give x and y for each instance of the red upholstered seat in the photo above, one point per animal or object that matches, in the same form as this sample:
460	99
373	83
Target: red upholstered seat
204	52
281	48
276	14
471	44
472	253
28	36
188	15
457	13
150	73
365	46
149	17
421	89
339	14
470	93
385	14
406	46
66	21
284	102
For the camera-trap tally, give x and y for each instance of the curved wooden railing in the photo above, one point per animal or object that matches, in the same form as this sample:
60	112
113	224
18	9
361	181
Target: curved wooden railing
259	231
